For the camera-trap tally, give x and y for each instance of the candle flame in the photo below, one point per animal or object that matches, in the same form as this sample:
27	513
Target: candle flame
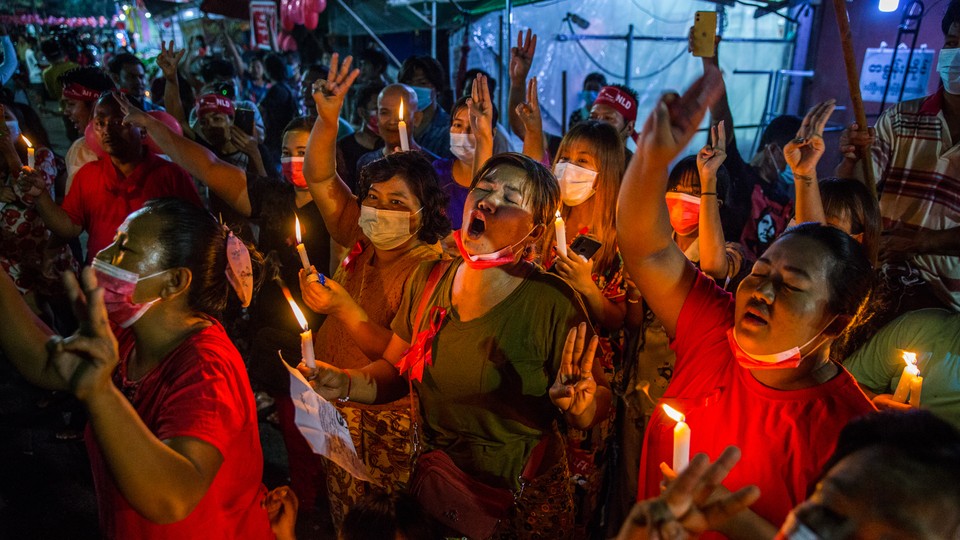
296	309
299	239
910	358
26	140
676	415
401	109
558	214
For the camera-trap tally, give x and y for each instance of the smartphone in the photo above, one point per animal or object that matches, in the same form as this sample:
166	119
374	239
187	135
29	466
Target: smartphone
585	246
705	34
243	119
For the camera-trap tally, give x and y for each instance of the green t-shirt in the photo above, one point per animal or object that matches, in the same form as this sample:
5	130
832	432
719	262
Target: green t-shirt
484	400
934	335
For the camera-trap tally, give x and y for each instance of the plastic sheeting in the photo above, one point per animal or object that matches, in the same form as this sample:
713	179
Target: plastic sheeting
657	66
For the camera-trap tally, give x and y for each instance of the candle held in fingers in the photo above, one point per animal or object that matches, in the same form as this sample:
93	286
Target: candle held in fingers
301	249
561	229
31	156
306	337
681	439
402	128
907	377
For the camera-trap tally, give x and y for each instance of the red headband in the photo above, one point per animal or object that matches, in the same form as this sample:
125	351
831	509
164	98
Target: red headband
621	101
79	92
210	103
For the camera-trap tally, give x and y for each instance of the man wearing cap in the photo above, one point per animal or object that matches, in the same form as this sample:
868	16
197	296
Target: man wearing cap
616	105
82	88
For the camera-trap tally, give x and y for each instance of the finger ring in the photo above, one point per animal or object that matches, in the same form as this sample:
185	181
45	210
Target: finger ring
799	140
312	278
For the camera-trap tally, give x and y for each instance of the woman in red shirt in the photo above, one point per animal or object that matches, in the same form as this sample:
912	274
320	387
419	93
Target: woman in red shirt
173	437
752	371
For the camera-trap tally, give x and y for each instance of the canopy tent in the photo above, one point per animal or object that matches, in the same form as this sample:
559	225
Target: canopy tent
395	16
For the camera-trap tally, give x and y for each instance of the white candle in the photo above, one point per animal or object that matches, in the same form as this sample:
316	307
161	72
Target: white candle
301	249
31	158
561	228
916	386
907	377
306	348
681	439
402	127
306	337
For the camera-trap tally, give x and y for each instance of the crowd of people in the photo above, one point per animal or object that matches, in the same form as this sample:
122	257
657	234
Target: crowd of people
527	334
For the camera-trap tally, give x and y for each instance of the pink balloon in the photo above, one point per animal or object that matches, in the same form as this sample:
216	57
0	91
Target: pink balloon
90	137
286	15
311	12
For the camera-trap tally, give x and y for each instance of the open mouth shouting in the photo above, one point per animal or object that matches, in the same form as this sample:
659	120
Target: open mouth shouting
477	225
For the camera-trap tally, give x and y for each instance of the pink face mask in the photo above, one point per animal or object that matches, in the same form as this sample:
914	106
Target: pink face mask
118	286
373	122
787	359
292	168
487	260
684	212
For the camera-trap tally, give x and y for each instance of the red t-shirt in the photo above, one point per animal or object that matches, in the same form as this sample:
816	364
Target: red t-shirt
785	435
100	199
199	390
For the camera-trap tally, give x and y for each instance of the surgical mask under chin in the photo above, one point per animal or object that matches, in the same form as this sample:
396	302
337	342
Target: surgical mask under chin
14	128
118	287
424	97
576	183
684	210
373	122
484	261
787	359
463	146
387	229
948	66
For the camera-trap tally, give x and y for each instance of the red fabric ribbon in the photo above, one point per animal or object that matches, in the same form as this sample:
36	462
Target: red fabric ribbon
420	352
79	92
351	259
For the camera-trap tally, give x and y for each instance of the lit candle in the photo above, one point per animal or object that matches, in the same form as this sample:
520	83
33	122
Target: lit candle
306	337
31	159
402	126
907	377
916	386
561	234
301	249
681	439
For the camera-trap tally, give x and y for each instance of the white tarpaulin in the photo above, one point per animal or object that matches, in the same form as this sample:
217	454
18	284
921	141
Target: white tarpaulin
323	427
657	65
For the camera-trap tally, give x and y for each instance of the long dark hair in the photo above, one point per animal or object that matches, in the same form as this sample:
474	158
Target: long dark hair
192	238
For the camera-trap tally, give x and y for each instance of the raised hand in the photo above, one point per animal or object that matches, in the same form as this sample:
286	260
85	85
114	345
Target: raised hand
86	359
521	56
675	119
281	505
168	60
576	271
329	93
692	503
529	111
246	143
131	114
712	156
481	108
804	152
575	388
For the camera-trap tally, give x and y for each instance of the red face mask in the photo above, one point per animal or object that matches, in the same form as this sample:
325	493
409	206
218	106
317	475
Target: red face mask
292	168
787	359
118	286
684	212
373	122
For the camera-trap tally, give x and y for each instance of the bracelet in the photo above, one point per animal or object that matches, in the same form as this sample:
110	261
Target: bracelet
705	193
349	387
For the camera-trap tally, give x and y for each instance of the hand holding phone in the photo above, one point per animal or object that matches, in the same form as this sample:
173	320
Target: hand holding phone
585	246
704	34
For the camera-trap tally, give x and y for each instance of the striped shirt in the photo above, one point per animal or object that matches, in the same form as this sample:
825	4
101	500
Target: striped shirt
917	166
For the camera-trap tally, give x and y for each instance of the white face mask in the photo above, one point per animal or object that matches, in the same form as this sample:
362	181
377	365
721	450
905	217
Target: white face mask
948	66
387	229
576	183
463	146
14	128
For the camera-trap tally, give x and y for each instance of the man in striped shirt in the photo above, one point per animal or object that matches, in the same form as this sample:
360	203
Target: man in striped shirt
916	161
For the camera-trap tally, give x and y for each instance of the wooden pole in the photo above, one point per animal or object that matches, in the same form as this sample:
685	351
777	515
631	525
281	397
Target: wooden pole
853	83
